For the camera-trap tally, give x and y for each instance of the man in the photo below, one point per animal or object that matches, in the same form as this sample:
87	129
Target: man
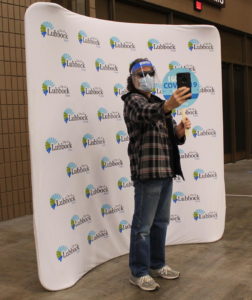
154	161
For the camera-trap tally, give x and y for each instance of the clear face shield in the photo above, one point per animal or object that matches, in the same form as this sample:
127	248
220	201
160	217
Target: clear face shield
145	77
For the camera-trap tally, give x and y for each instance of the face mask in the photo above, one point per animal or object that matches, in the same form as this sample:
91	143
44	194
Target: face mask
146	83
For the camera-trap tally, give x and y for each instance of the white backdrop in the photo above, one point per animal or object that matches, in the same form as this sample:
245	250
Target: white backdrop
82	193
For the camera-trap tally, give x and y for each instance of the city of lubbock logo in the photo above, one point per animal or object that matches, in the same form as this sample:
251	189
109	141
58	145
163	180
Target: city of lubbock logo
119	89
49	143
83	88
123	225
191	44
176	65
106	163
196	45
98	63
48	87
90	190
73	169
89	140
47	29
81	36
196	173
198	131
67	61
201	174
52	144
64	252
45	86
56	200
107	209
188	155
77	221
200	214
121	136
177	196
101	112
154	44
181	197
86	89
116	43
123	182
93	236
70	116
44	26
113	42
86	138
64	58
84	39
101	66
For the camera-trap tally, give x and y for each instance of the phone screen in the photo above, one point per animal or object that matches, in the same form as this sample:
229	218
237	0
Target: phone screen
184	79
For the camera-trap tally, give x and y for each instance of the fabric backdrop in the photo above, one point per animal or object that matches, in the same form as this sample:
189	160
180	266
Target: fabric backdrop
82	193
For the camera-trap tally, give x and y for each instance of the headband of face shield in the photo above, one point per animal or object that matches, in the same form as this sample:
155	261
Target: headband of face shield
144	80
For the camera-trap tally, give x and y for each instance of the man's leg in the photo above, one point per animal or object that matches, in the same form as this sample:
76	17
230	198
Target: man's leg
159	227
147	195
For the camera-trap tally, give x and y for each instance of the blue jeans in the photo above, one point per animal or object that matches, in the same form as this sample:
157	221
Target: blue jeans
150	220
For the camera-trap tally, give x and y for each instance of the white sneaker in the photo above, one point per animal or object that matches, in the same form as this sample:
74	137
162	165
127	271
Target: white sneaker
165	272
146	283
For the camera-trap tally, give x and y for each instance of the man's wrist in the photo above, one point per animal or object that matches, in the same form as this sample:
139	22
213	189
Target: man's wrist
167	107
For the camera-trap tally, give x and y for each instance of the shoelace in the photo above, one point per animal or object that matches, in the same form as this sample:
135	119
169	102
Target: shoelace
146	279
165	270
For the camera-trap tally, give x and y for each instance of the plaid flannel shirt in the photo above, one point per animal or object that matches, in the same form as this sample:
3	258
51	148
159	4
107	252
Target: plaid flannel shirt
150	149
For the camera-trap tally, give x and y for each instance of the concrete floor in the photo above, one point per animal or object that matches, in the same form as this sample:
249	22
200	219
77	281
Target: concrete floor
216	271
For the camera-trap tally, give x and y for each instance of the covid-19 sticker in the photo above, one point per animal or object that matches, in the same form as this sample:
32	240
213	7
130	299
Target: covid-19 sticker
169	85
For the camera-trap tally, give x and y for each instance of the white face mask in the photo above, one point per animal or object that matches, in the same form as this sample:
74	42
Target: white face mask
146	84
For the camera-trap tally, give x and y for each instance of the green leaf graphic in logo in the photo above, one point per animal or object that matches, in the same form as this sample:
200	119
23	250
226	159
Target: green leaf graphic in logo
196	175
45	89
119	184
97	65
68	171
103	211
171	67
63	61
89	239
174	198
84	142
80	37
120	228
65	117
190	45
116	91
118	138
195	215
72	223
150	46
112	43
82	88
103	164
43	30
48	147
99	114
52	203
59	255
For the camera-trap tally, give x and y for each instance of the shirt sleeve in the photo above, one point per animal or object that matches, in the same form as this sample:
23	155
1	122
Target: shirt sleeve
139	110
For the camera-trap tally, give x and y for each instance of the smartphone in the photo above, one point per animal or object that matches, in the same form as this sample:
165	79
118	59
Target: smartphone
184	79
